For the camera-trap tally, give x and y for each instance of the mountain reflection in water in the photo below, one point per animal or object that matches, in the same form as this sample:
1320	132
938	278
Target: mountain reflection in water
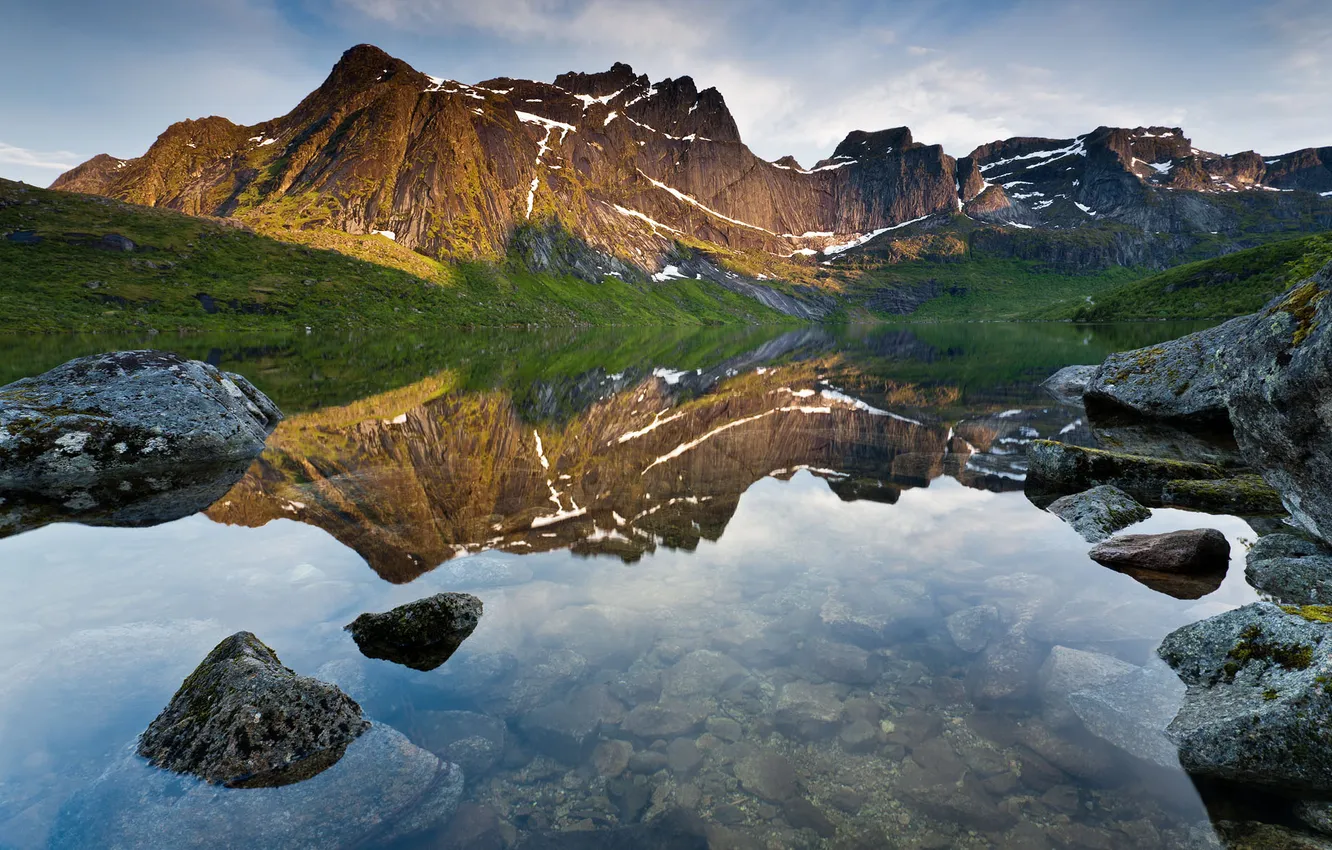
818	621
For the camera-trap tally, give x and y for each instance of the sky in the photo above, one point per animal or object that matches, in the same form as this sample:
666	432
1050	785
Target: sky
85	76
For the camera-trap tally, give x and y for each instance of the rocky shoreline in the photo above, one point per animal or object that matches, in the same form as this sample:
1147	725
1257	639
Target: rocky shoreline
1256	709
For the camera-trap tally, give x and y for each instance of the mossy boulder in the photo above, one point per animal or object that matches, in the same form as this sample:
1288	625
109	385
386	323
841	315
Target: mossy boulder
243	720
1244	495
1280	380
128	412
1179	380
1257	707
1099	512
1060	465
422	634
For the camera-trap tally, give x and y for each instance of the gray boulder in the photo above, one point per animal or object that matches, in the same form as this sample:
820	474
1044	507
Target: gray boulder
128	412
1257	708
243	720
421	634
1076	467
1067	671
1199	550
1280	377
1291	569
384	788
1180	379
972	628
1132	711
1070	383
1099	512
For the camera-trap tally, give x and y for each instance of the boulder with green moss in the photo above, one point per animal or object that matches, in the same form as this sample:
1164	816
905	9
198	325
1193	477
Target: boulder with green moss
128	412
1257	709
1060	465
421	634
1177	380
1280	379
1244	495
1099	512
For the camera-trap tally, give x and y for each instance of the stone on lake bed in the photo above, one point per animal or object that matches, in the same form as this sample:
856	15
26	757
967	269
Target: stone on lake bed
1067	671
128	412
972	628
1257	707
242	719
1099	512
422	634
1203	550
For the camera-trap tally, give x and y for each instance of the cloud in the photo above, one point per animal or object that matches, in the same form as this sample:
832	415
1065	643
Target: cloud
52	160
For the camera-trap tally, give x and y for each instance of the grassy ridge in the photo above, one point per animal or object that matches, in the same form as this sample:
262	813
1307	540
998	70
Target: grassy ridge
1232	285
199	274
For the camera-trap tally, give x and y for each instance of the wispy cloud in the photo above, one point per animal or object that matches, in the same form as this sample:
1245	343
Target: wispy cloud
53	160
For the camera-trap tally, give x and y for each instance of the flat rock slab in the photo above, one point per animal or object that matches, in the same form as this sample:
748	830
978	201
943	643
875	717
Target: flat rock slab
1193	552
1291	569
384	788
1099	512
243	720
422	634
1243	495
126	412
1061	465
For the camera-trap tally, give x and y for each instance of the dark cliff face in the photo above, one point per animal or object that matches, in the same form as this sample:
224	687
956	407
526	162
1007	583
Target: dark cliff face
630	167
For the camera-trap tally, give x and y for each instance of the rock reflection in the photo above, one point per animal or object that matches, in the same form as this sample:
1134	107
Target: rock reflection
417	476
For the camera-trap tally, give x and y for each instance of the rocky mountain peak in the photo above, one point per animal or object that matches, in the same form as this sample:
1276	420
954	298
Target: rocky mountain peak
789	161
618	78
364	65
860	144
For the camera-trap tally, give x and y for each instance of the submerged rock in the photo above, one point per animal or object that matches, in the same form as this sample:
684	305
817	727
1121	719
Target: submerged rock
1243	495
1291	569
129	412
422	634
874	616
1257	707
1144	478
1200	550
1099	512
384	788
243	720
972	628
1070	383
1181	379
1280	376
1067	671
1132	711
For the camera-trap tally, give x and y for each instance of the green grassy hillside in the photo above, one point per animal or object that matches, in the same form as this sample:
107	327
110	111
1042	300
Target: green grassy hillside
58	272
1226	286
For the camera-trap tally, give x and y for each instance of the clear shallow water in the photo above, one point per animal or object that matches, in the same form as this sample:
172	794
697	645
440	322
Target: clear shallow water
716	596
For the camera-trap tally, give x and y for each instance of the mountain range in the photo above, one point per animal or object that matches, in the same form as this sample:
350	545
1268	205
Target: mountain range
609	174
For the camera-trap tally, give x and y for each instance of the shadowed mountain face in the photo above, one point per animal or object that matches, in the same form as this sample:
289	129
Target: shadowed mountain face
415	477
634	170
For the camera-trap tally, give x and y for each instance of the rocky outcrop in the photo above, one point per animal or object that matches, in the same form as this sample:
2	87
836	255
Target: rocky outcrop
1291	569
130	412
1099	512
422	634
1244	495
1279	375
1257	707
1178	380
243	720
1203	550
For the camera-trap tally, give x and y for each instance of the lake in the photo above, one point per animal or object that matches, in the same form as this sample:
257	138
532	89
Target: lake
755	587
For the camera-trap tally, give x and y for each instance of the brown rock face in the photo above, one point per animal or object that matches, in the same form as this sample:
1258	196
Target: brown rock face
1180	552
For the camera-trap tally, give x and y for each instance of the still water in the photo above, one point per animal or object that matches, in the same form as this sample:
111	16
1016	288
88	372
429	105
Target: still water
743	589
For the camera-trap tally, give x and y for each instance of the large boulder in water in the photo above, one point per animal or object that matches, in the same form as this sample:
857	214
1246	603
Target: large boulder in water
1070	383
1291	569
1280	378
1198	550
421	634
1257	707
242	719
1178	380
127	412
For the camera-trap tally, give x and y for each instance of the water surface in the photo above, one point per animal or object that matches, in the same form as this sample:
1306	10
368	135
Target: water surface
717	566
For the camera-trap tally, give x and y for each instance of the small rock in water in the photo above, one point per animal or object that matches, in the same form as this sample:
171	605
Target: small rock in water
1203	550
972	628
808	711
422	634
1099	512
1069	384
243	720
1067	671
1257	705
1006	671
769	776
